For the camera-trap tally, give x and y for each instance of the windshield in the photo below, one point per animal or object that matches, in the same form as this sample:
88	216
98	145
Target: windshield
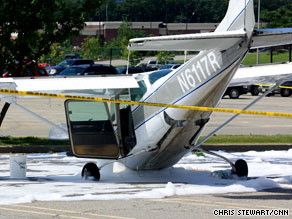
66	63
157	75
72	71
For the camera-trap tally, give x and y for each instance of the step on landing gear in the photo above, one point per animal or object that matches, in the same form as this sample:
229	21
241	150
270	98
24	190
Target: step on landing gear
90	170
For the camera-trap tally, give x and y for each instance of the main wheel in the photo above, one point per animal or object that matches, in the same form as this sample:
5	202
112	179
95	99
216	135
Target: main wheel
90	169
241	168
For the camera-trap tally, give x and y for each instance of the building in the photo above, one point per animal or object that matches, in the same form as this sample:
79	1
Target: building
109	30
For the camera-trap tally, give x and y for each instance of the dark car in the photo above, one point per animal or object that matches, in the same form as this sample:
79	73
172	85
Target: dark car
89	70
284	91
131	70
72	56
169	66
67	63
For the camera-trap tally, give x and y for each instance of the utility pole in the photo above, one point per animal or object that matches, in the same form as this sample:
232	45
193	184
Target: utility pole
259	14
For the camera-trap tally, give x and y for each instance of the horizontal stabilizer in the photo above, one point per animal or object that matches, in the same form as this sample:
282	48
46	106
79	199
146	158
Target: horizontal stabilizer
187	42
271	37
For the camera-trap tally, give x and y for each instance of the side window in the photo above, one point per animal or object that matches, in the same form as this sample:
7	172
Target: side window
157	75
138	93
87	111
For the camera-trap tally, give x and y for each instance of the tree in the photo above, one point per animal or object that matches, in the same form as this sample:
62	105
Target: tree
125	33
38	25
164	57
92	48
282	17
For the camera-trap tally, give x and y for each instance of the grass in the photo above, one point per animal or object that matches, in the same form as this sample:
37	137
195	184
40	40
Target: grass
278	56
265	57
29	141
219	139
250	139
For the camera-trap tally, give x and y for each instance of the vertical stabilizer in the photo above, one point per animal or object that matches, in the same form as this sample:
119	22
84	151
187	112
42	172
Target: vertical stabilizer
239	16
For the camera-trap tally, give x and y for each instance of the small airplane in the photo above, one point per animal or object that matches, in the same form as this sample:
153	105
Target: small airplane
145	137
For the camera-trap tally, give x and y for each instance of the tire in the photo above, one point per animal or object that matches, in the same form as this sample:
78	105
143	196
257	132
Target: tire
90	169
241	168
233	93
255	91
285	92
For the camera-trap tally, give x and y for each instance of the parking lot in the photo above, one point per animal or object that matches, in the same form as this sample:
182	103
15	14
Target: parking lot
18	123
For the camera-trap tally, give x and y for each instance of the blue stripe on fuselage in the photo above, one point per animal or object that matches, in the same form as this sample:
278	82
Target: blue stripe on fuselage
189	93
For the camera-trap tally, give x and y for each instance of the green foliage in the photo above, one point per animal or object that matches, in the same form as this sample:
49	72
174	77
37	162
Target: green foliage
58	52
91	47
164	57
39	24
282	17
125	33
199	153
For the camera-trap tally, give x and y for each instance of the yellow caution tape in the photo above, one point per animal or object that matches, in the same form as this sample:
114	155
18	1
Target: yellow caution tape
98	99
268	85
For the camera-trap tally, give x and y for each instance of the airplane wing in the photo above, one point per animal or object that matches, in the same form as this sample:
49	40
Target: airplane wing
271	37
262	74
70	85
187	42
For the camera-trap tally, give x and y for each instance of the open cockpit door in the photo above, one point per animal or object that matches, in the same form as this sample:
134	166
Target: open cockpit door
100	130
91	130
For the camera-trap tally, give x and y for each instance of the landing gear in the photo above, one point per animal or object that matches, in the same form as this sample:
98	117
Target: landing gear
241	168
90	169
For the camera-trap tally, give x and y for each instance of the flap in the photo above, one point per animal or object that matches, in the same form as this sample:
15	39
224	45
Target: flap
262	74
271	37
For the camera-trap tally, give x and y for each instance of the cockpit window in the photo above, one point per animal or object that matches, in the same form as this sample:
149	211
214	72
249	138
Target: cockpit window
137	93
157	75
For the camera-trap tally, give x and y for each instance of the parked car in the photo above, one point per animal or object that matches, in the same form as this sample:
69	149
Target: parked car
131	70
39	71
67	63
144	66
153	64
169	66
284	92
89	70
72	56
235	91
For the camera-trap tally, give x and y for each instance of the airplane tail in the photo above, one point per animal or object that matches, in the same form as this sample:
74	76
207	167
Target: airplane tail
239	16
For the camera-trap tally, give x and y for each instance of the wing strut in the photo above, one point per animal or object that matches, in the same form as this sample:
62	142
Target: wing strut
236	115
240	167
3	112
38	116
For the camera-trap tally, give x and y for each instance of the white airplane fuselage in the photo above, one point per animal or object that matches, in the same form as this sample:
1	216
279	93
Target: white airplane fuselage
199	82
202	81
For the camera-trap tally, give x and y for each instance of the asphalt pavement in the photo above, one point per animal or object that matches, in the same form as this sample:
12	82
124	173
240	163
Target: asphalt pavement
234	205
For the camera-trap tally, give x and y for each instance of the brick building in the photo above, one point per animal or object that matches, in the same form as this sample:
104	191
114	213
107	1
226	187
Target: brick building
109	30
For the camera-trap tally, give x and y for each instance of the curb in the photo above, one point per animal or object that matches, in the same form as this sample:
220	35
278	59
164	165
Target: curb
244	148
66	148
34	149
